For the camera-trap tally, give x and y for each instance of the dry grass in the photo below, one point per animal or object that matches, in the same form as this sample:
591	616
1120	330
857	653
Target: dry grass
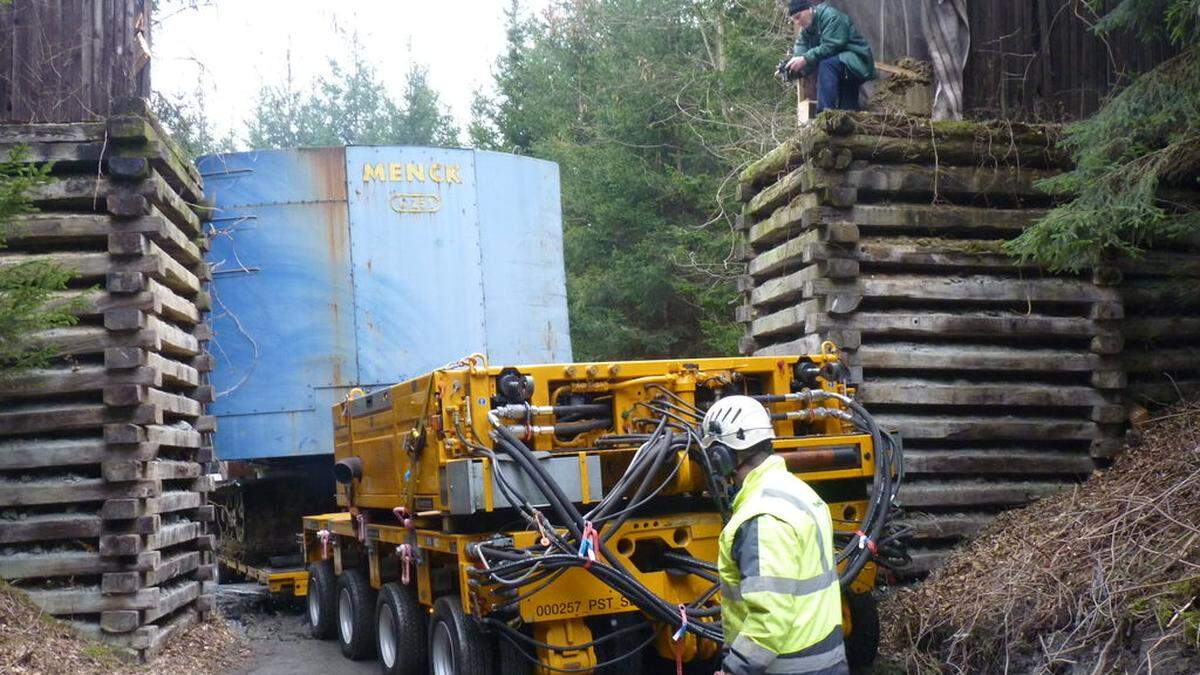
34	642
1102	578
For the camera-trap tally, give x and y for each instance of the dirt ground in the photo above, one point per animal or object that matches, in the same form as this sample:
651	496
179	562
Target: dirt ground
276	635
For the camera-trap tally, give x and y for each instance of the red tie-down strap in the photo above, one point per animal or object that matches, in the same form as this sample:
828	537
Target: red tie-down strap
864	540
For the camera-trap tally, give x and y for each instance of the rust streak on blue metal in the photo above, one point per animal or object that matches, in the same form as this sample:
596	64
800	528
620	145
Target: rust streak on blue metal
362	266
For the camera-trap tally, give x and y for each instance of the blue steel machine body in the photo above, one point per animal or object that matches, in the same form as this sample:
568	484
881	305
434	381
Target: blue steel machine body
351	267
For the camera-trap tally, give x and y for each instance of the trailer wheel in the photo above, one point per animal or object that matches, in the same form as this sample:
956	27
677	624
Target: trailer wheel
862	643
457	644
622	646
513	658
355	615
322	600
400	624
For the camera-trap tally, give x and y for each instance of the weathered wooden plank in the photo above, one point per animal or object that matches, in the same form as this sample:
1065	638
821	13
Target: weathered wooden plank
966	183
74	132
168	502
61	155
173	566
89	600
988	428
69	563
810	246
171	535
92	230
983	288
1163	359
23	454
940	218
171	470
37	418
937	254
50	527
996	323
58	229
85	339
80	379
1158	327
924	526
171	372
923	562
133	395
798	215
927	494
794	285
138	129
810	143
924	392
920	357
996	461
72	489
872	124
173	597
150	259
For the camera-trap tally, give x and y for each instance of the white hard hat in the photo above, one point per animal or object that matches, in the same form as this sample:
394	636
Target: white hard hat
738	422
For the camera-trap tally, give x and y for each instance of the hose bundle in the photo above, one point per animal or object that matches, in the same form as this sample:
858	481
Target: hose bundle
514	574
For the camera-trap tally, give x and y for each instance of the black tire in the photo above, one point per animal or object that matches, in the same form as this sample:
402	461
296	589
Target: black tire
355	615
400	626
512	658
457	643
619	646
862	644
322	600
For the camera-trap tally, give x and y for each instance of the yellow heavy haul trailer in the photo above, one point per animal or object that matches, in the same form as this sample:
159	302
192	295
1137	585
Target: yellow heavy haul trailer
560	518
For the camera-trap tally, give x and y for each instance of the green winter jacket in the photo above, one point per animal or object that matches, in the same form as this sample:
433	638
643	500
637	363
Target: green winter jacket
781	604
833	33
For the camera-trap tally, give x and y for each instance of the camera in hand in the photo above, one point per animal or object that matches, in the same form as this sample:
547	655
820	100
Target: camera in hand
784	73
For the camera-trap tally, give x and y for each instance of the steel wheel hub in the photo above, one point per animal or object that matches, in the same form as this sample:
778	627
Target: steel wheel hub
443	651
314	606
345	616
387	637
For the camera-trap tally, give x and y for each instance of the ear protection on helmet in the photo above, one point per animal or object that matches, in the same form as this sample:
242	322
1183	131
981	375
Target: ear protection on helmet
722	459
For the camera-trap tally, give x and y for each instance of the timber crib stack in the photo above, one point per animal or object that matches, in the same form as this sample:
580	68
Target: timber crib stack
1161	292
103	494
884	236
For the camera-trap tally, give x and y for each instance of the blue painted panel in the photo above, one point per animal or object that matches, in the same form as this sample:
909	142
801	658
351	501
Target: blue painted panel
415	255
525	291
327	277
283	315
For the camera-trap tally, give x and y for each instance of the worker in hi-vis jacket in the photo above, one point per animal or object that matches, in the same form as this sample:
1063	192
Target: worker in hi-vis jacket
781	604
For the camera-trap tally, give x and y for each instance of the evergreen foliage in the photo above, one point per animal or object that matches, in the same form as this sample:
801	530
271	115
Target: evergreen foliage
25	287
1130	155
648	107
350	105
186	118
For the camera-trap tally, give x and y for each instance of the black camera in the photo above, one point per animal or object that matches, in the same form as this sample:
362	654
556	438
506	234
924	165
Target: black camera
784	73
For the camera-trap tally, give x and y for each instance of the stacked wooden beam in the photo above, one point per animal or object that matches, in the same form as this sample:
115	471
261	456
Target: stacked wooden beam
885	236
1161	294
103	489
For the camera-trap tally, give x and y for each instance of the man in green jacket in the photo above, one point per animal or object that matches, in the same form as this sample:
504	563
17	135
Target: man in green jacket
781	603
828	43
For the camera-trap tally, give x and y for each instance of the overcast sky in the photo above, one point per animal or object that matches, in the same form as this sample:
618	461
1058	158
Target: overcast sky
231	47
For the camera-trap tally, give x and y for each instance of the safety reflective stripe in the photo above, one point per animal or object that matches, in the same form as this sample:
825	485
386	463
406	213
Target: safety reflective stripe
754	653
824	655
800	504
786	586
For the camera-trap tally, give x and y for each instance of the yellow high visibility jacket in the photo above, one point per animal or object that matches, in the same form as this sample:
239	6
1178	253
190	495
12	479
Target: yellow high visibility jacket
781	604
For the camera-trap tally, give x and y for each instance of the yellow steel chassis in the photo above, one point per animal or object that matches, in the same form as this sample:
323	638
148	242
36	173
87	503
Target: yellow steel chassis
556	612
